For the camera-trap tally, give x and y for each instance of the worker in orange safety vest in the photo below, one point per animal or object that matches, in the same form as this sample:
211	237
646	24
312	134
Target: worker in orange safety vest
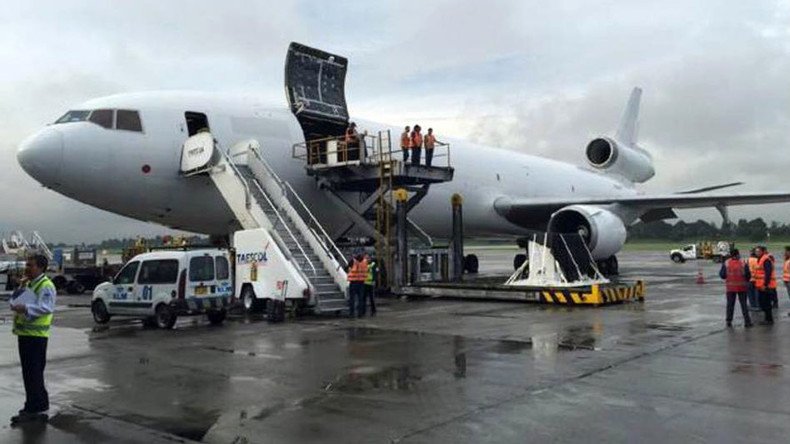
357	273
765	282
754	302
736	275
786	271
416	145
405	143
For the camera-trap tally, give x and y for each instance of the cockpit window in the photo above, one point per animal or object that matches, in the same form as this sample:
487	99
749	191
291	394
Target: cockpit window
128	120
102	117
74	116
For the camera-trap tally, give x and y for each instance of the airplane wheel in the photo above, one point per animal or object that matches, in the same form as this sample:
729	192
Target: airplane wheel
614	266
519	260
471	264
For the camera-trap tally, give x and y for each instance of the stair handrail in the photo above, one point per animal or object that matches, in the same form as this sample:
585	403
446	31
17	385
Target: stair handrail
236	171
334	251
39	242
285	225
286	187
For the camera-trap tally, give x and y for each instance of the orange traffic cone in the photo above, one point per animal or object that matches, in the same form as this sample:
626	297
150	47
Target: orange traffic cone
700	277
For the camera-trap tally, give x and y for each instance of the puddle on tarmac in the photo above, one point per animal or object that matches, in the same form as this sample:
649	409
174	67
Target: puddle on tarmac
366	378
79	425
667	327
758	369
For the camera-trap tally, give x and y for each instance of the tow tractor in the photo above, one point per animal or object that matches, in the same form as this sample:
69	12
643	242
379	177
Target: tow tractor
702	250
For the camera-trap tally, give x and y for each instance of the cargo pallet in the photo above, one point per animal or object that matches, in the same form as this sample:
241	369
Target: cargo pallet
594	295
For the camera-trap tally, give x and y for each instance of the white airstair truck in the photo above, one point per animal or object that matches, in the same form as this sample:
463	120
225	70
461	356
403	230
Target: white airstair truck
284	259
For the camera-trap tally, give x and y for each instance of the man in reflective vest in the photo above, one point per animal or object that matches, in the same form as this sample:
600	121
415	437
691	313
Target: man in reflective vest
405	143
416	145
765	282
357	272
33	305
754	302
736	275
370	285
786	271
430	144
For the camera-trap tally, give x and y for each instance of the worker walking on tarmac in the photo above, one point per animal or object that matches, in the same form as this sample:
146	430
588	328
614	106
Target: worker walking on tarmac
370	285
416	145
430	143
33	305
736	276
405	143
357	273
765	282
754	301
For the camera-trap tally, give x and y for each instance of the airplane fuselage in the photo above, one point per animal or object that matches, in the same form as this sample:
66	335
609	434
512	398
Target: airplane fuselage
136	174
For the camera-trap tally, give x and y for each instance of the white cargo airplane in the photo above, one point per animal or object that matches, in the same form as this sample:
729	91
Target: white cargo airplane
122	154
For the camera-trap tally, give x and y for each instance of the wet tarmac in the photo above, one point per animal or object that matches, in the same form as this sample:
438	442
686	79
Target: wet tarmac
425	371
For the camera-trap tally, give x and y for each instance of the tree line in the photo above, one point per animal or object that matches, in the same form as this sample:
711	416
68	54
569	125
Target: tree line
119	244
755	230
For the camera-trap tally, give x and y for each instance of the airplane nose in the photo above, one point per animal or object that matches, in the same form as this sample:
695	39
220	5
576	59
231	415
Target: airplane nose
41	156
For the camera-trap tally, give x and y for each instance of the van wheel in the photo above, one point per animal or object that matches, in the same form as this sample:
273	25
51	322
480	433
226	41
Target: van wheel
251	303
165	318
216	317
74	287
100	313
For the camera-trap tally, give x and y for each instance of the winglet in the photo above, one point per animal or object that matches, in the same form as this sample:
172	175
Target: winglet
627	130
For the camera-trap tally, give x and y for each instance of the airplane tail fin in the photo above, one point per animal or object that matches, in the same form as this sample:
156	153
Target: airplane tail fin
629	123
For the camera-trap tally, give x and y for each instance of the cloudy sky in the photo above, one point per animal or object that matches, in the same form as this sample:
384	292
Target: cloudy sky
540	77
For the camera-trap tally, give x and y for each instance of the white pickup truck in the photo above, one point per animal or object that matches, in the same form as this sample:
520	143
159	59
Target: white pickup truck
717	252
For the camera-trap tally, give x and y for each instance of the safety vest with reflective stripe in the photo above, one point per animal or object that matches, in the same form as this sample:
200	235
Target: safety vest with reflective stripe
753	268
39	326
759	281
358	271
405	140
430	141
736	277
416	140
786	271
371	275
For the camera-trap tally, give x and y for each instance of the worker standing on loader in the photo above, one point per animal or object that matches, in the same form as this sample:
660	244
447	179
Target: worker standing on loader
33	305
765	281
736	275
416	145
405	143
357	273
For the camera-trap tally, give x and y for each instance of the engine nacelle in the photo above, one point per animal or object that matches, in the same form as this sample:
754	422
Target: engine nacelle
631	162
603	232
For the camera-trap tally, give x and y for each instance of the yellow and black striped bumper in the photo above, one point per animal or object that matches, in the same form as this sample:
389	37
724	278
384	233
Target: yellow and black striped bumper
596	295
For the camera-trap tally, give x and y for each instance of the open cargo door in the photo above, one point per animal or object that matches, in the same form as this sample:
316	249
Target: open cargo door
315	87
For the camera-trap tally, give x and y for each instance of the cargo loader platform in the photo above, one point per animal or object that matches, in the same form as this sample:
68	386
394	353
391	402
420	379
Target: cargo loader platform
594	295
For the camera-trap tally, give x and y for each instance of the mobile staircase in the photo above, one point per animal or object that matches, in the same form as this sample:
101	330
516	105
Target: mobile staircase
260	199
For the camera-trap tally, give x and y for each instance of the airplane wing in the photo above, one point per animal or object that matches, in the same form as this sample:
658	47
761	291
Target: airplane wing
653	207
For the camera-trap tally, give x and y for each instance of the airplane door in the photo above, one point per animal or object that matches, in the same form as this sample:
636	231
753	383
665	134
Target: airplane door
315	87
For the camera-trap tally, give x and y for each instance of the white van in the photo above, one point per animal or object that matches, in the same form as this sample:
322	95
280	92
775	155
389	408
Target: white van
162	285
